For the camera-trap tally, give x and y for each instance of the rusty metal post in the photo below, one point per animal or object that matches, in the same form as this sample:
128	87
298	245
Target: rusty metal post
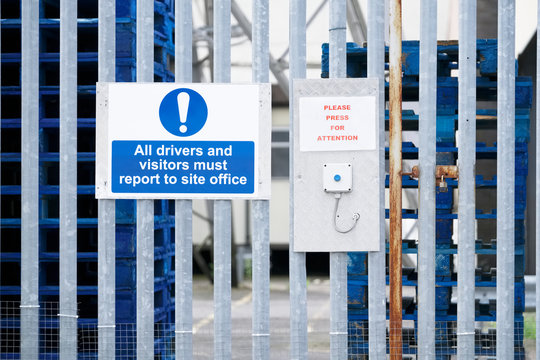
395	181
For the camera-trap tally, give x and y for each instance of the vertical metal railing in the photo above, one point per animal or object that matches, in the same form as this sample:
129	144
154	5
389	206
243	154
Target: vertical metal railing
106	207
427	125
222	276
30	179
260	208
222	208
145	208
261	279
377	259
466	165
183	208
505	178
260	211
297	261
338	261
68	179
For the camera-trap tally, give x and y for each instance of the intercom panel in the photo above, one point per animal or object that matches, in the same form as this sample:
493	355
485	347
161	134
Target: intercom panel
338	147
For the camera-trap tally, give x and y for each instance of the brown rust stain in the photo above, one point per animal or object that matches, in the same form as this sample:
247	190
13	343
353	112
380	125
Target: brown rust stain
448	171
486	117
395	258
447	42
441	172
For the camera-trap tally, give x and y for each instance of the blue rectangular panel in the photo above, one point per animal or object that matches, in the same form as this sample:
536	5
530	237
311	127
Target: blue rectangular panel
188	167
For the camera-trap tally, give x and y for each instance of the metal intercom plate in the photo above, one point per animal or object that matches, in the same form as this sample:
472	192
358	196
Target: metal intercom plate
337	147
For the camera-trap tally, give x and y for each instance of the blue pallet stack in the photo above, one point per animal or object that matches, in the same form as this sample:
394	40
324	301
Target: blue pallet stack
447	119
49	160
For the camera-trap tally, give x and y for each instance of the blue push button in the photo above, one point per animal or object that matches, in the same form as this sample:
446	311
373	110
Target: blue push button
337	177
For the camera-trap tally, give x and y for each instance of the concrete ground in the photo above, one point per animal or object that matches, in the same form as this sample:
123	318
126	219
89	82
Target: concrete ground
318	313
318	319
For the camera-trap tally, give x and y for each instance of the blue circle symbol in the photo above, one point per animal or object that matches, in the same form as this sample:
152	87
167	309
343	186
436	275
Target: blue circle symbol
183	112
337	177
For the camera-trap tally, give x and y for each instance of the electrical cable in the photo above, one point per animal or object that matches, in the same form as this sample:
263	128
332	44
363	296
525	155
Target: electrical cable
355	217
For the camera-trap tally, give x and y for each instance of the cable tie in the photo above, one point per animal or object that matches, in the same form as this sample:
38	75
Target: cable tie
338	333
260	335
183	331
29	306
337	28
465	333
106	326
68	316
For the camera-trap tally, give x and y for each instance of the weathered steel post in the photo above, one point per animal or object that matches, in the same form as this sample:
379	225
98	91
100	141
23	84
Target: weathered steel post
395	181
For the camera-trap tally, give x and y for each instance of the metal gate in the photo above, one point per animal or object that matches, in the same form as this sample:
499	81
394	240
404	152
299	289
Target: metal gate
174	338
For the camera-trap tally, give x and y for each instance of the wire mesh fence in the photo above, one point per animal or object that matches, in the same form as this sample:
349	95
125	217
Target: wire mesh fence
165	342
164	338
13	315
446	340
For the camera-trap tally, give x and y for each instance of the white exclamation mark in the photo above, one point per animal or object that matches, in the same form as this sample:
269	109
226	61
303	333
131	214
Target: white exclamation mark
183	106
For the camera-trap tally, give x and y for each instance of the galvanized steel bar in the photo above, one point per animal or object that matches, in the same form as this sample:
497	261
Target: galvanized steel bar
260	215
377	259
222	279
505	178
106	208
30	179
184	41
338	302
222	208
184	208
260	209
338	261
145	279
466	166
538	182
106	279
222	41
297	260
184	279
68	179
426	158
274	65
395	267
145	208
145	41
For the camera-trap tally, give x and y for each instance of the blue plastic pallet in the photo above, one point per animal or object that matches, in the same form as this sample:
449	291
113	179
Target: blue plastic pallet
447	58
49	123
447	152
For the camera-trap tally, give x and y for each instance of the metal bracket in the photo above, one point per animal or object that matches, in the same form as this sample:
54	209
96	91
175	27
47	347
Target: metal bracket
447	171
441	172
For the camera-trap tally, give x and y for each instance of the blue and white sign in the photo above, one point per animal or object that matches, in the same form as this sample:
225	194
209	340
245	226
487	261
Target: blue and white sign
183	141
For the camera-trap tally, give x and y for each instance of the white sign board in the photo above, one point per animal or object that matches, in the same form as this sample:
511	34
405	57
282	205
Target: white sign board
337	204
180	141
335	123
